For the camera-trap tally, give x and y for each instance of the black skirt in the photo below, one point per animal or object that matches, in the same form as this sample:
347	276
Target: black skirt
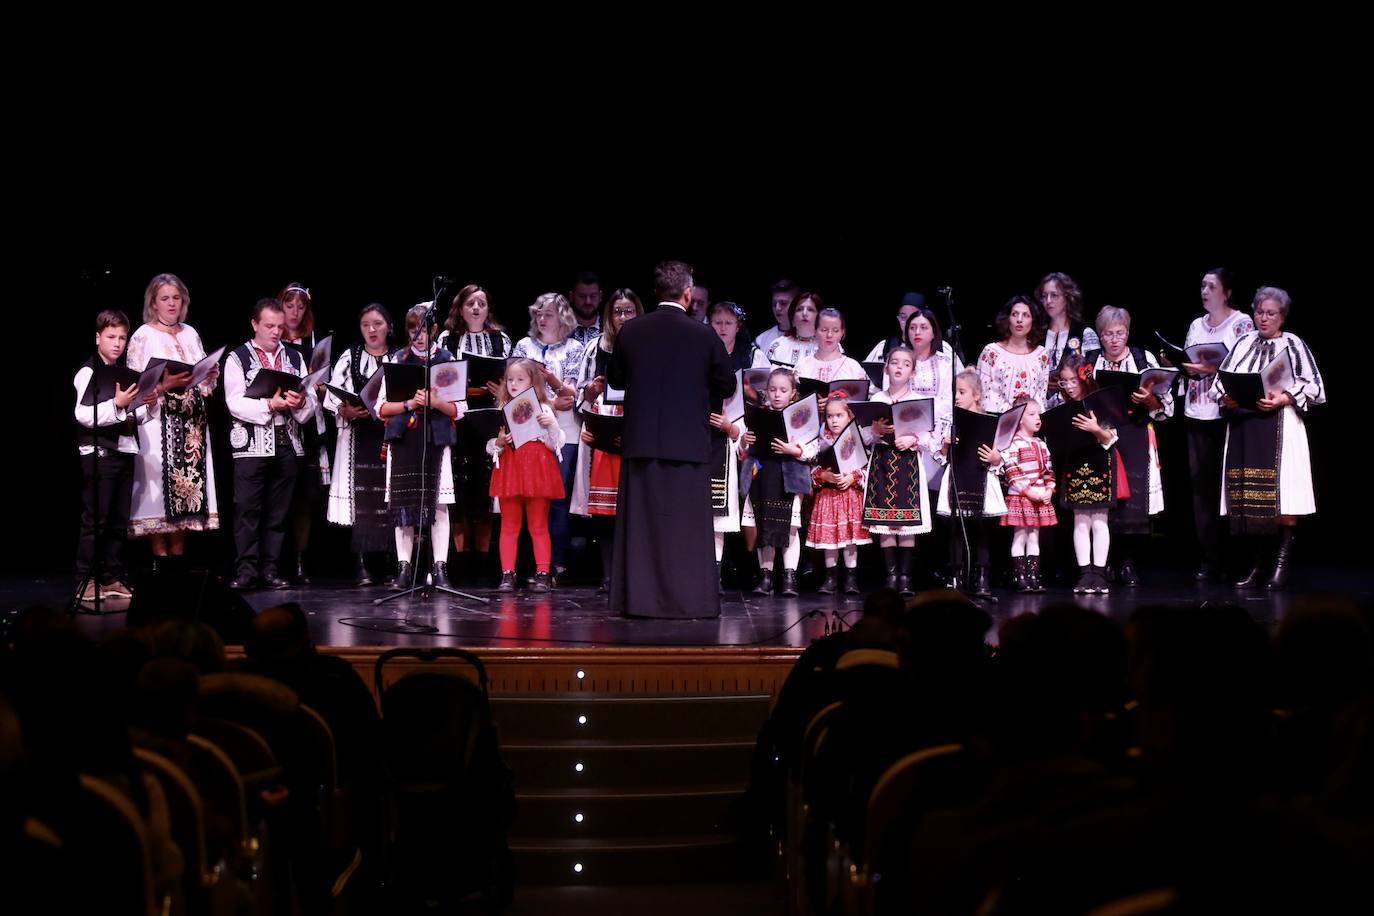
372	527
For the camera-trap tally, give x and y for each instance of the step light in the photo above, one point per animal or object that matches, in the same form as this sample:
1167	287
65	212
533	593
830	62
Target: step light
578	817
577	868
581	720
581	674
577	767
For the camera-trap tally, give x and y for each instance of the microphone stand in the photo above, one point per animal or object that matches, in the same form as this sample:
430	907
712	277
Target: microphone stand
422	533
957	347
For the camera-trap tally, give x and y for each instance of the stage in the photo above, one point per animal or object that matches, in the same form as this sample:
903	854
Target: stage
343	616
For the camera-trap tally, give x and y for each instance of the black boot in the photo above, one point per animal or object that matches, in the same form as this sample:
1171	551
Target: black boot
441	576
402	580
765	586
1283	558
720	582
830	585
543	582
849	580
301	577
1127	576
789	583
1018	572
1255	578
980	586
904	558
1033	574
507	582
890	563
363	578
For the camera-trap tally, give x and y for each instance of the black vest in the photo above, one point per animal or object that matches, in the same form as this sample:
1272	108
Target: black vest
101	388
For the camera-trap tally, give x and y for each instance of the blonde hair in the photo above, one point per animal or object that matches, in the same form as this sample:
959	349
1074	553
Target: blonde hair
567	320
534	370
975	383
1110	315
150	296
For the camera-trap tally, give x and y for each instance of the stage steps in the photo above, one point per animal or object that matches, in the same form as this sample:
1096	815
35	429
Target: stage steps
658	783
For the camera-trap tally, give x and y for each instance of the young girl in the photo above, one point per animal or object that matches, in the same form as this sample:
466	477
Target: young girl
800	340
526	479
357	489
777	479
837	517
1030	485
896	503
471	329
406	425
979	498
1090	478
597	481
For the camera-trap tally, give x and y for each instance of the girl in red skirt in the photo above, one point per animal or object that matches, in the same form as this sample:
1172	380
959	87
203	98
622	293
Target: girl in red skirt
526	478
1030	485
837	516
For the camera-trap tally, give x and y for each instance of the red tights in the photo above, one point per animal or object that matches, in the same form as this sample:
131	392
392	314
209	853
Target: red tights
536	513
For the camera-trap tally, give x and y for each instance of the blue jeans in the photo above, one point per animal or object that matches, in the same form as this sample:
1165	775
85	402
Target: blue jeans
558	509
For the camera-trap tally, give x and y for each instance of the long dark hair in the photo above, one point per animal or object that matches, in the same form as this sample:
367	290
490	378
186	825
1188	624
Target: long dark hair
1039	320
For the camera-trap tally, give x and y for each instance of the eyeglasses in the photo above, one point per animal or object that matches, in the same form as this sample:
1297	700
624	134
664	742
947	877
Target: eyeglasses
625	313
1114	335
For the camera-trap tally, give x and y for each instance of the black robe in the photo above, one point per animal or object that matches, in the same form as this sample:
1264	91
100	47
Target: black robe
675	374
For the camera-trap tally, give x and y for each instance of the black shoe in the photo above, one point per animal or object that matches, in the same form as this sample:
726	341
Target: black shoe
1102	582
403	576
830	585
1204	572
1127	576
765	586
1253	579
507	582
542	582
441	574
789	583
982	588
273	580
720	580
363	577
604	587
244	581
301	578
1085	585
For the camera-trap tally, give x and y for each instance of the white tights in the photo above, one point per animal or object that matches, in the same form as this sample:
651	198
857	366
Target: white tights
1091	536
851	556
438	537
1025	542
790	557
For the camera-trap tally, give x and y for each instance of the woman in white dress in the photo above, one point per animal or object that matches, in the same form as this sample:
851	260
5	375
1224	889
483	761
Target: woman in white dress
174	475
1267	465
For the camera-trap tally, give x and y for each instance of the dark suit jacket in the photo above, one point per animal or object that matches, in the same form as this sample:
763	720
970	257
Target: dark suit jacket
675	374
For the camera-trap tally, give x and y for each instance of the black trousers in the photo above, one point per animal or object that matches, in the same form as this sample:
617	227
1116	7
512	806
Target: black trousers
1206	442
112	474
262	502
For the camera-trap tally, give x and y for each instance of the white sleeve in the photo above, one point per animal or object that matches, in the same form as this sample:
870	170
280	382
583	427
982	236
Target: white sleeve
249	410
876	354
339	378
106	413
553	436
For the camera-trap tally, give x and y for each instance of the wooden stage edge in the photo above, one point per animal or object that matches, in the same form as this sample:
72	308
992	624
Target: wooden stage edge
642	671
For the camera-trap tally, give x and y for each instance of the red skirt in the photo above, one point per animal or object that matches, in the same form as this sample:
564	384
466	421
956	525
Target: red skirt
604	483
837	518
531	472
1022	513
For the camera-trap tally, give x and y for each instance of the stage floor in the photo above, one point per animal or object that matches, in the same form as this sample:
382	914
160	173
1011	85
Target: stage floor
344	616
